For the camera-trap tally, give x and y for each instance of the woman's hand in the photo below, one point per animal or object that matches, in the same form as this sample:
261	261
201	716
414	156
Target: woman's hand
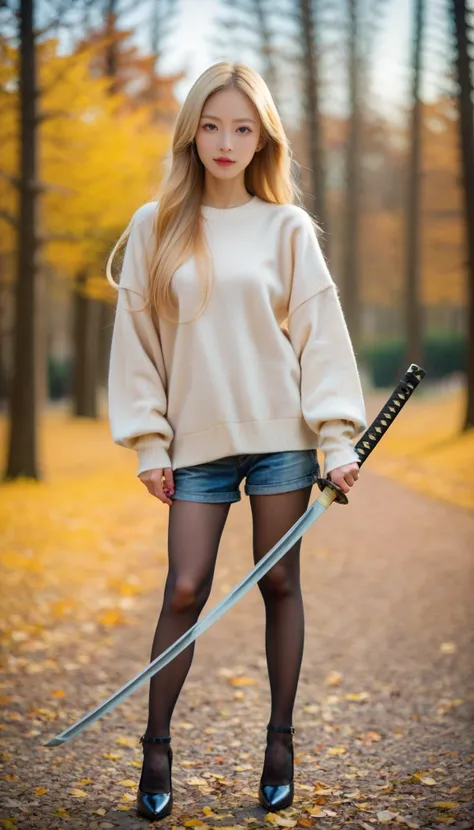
153	481
346	476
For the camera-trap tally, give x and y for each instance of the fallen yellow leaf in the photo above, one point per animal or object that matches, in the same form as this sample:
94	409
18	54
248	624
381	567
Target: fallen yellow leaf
123	741
430	782
110	618
336	750
127	782
243	681
76	793
418	775
446	805
128	797
41	790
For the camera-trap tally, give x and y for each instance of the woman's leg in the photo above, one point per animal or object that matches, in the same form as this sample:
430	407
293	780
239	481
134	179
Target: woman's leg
194	534
272	516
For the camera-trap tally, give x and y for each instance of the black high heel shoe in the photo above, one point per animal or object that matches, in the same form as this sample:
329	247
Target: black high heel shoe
274	797
155	805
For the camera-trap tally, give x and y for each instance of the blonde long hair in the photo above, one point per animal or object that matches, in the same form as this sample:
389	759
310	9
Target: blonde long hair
178	222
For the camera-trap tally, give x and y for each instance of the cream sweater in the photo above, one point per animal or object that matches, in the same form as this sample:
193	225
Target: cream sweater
233	382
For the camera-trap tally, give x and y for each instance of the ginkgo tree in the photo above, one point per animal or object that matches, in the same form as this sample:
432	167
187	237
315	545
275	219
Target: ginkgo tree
98	167
90	163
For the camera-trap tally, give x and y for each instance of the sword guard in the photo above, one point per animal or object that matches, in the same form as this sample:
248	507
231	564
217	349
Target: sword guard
341	497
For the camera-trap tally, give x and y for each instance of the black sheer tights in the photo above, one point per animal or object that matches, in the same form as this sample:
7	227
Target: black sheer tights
194	534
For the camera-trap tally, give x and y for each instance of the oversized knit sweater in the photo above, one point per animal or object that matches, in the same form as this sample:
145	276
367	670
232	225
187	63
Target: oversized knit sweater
233	381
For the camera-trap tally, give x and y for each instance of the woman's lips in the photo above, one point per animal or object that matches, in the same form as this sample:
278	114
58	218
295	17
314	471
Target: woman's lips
224	162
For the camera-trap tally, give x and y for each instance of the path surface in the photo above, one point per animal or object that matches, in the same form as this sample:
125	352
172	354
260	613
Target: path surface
384	712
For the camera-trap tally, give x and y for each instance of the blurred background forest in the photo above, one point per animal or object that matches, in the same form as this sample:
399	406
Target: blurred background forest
384	138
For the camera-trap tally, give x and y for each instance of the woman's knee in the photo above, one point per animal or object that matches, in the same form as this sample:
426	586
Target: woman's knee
182	593
279	583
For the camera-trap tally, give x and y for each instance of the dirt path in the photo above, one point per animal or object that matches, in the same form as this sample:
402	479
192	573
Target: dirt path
384	712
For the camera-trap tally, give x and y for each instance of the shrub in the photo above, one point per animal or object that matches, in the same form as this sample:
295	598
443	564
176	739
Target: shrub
443	354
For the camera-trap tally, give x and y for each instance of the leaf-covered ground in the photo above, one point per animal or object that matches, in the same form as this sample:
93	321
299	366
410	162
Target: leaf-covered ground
384	712
425	448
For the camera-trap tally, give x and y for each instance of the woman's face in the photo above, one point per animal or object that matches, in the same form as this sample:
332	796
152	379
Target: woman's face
229	128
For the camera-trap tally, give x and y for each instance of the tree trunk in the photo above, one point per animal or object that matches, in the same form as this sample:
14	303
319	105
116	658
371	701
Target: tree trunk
350	282
3	332
269	68
111	54
42	335
413	305
466	127
86	348
107	315
22	450
314	133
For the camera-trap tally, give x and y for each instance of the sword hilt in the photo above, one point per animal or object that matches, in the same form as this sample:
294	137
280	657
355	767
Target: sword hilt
407	385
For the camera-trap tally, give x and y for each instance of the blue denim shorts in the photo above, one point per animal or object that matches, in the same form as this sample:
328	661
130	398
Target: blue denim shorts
265	474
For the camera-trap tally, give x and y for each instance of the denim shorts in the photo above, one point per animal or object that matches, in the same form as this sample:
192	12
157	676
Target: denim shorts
265	474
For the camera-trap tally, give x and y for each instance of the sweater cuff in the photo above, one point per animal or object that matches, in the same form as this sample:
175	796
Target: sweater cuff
337	458
152	456
336	441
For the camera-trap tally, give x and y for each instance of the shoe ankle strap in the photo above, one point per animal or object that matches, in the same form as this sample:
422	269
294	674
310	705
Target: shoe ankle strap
147	739
289	729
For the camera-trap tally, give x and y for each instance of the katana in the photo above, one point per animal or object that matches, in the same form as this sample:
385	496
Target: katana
329	493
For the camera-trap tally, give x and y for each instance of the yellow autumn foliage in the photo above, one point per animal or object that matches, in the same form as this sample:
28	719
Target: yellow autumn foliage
426	451
97	161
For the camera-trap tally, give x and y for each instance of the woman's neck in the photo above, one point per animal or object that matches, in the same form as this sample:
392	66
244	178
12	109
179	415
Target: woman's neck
221	194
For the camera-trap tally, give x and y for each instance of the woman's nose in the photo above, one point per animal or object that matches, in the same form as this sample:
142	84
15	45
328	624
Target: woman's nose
226	143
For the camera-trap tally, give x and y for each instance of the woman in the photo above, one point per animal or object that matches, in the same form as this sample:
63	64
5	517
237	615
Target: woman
209	387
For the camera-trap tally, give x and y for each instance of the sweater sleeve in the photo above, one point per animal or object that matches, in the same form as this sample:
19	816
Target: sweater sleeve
331	393
137	380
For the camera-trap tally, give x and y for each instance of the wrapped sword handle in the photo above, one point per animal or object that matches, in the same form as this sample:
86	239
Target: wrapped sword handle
397	400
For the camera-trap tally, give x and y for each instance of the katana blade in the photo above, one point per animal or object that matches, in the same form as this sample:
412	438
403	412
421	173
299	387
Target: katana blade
329	493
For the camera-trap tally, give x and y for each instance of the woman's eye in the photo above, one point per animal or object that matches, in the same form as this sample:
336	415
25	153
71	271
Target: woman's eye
212	127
